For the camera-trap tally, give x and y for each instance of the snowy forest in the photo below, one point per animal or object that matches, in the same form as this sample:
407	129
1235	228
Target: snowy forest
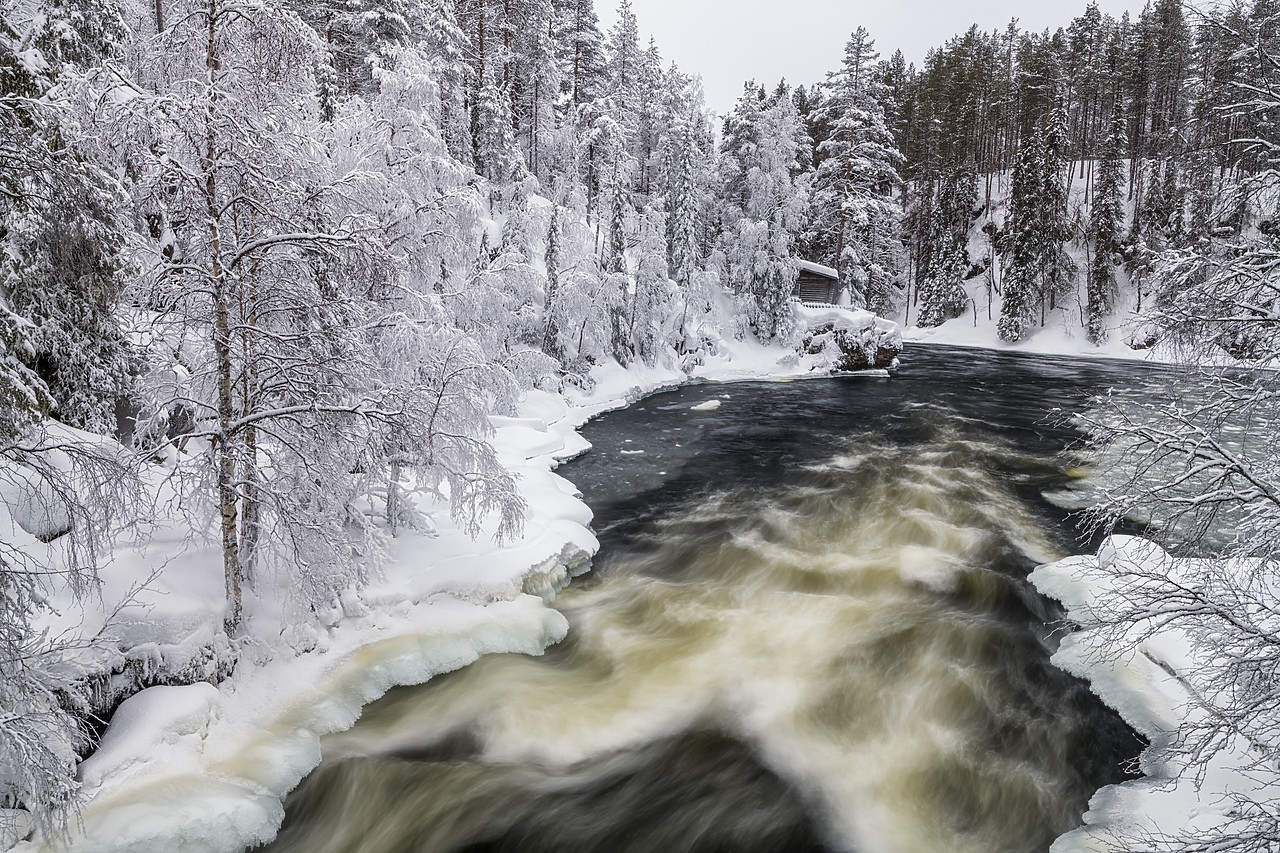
297	253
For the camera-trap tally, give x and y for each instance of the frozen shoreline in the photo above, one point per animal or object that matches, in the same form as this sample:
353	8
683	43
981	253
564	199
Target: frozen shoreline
1147	674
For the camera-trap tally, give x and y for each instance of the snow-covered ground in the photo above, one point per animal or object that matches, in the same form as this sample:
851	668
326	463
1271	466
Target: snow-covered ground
1057	337
205	768
1148	677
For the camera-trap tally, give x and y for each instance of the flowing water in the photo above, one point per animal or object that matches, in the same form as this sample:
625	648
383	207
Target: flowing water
808	629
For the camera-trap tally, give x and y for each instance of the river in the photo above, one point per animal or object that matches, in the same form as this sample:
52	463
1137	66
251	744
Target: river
808	628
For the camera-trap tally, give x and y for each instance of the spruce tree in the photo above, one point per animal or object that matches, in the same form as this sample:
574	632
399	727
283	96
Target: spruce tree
1057	270
446	46
1106	227
497	157
1021	243
62	214
854	213
945	251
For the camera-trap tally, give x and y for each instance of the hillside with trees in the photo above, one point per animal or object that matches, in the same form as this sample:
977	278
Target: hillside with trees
1058	168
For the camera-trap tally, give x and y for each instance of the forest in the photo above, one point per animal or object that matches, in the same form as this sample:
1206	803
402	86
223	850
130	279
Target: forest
309	248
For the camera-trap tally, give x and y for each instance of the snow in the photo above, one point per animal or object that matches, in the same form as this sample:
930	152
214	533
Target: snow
1147	685
1057	337
810	266
708	406
205	768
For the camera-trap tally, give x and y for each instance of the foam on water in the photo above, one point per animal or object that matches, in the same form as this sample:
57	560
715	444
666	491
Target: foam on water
863	638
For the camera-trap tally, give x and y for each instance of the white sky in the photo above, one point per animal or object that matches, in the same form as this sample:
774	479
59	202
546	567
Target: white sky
731	41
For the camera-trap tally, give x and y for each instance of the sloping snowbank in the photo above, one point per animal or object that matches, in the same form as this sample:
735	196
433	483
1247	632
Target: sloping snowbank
1146	676
205	768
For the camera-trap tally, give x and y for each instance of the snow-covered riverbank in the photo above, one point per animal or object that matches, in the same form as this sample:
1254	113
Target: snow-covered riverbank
1153	671
205	768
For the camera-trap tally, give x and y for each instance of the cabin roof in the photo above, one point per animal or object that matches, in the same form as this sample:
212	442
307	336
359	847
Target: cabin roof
818	269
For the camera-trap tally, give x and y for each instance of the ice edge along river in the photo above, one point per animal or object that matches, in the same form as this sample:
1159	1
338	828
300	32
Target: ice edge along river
1143	674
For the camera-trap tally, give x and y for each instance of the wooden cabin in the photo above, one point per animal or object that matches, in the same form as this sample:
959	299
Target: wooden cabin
817	284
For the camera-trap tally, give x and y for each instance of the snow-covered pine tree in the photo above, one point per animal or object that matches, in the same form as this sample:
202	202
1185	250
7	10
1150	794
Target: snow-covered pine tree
765	201
1057	272
542	88
580	52
682	225
1106	227
623	67
446	45
497	157
855	214
551	333
944	251
1021	243
651	301
62	228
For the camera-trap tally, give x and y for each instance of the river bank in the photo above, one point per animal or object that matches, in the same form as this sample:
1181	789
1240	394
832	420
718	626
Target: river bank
1143	650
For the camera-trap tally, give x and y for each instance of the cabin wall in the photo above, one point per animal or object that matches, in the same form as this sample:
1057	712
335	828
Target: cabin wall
816	288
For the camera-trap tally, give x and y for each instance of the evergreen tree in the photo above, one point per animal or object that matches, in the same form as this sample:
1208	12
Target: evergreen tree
855	215
551	334
447	47
1057	270
62	233
944	255
497	157
1021	243
580	51
1106	226
772	199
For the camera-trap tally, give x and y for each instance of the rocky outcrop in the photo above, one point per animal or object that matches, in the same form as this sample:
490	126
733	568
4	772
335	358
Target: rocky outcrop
850	340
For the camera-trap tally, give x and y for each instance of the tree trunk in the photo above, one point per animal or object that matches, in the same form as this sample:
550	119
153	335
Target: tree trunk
223	451
393	494
577	53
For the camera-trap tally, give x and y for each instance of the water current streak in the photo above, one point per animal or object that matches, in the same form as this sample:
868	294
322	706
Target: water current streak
848	660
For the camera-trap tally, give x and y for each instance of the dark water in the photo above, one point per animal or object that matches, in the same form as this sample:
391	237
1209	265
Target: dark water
808	629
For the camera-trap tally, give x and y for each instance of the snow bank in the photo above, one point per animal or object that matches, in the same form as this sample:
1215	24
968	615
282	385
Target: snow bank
204	768
1144	675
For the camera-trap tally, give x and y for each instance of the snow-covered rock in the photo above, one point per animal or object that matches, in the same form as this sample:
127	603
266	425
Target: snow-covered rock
853	340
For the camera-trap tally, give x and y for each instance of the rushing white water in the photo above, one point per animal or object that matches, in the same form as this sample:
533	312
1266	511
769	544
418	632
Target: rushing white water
849	662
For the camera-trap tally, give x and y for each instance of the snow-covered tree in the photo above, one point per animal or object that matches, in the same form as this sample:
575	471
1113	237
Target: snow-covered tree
766	200
1106	227
855	213
1197	457
1057	269
943	256
61	211
1021	243
651	300
446	46
497	157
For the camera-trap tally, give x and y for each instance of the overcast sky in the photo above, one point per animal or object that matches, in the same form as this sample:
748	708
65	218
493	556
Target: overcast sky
731	41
